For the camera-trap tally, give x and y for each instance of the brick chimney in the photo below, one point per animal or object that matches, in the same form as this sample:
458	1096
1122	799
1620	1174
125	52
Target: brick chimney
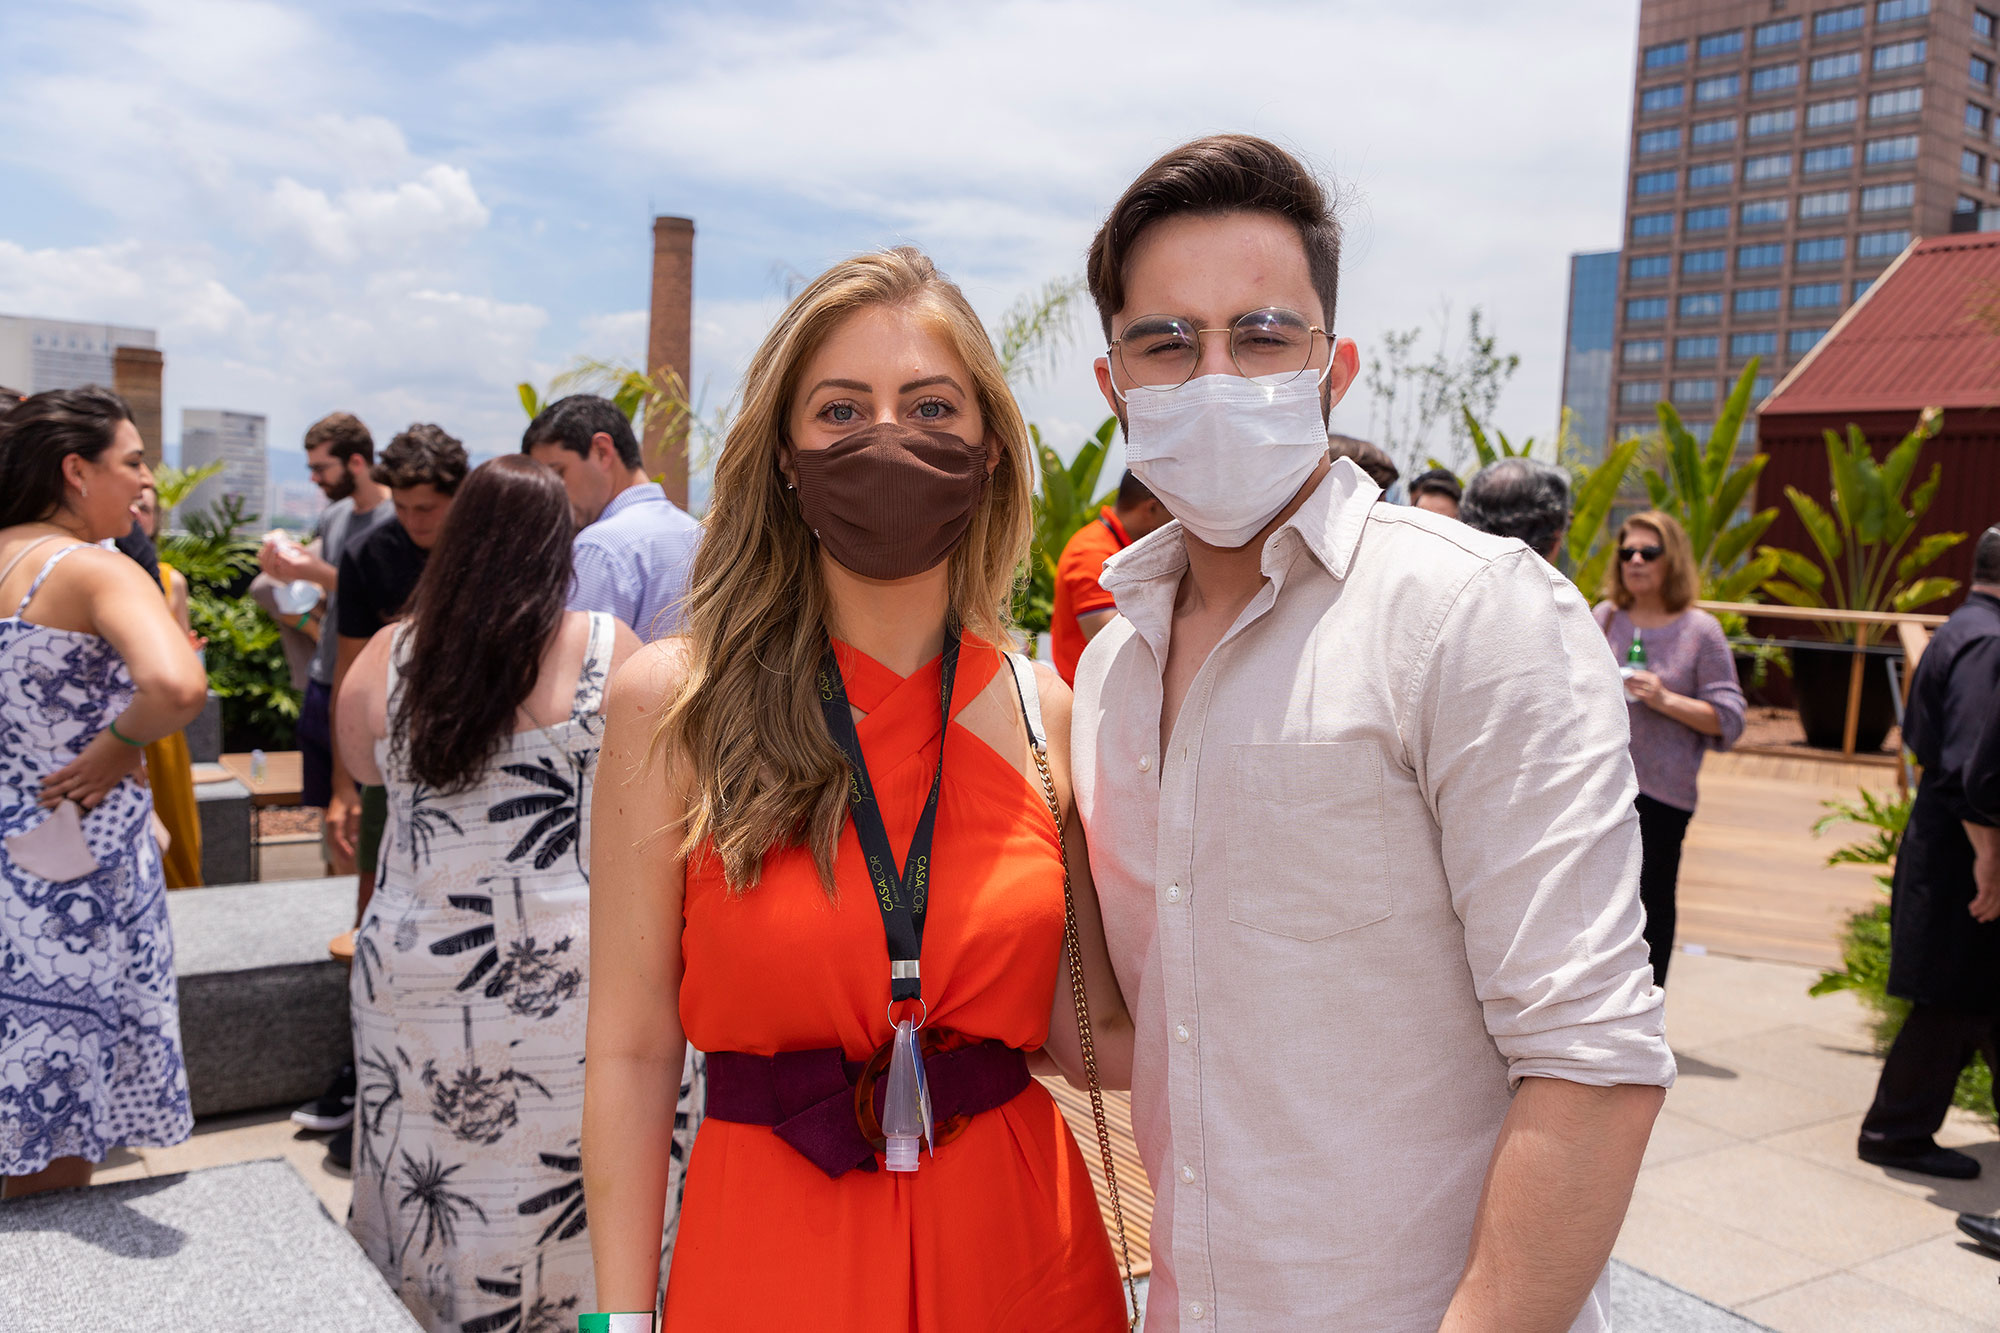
135	374
670	345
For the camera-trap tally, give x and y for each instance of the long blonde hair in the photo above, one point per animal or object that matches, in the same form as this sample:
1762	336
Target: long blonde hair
747	719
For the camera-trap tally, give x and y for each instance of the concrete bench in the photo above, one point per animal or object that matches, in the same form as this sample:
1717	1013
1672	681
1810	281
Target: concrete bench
263	1007
244	1247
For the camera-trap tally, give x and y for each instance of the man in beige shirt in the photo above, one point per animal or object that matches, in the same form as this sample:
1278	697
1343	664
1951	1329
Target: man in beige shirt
1360	813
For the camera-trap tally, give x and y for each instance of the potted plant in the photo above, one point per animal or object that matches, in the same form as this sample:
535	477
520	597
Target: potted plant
1867	562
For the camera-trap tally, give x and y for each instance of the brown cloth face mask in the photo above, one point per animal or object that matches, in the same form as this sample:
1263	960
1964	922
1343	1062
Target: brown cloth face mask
890	501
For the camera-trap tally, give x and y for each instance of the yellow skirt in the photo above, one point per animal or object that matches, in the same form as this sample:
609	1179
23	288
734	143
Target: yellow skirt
171	774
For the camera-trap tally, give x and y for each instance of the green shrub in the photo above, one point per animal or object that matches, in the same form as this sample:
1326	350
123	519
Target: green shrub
246	662
1864	947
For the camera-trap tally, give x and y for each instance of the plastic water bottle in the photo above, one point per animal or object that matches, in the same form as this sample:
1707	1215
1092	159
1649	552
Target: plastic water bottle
297	597
1635	660
257	766
906	1108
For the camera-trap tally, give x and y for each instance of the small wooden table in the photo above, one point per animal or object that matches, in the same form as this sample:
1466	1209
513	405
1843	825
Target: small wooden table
284	777
283	784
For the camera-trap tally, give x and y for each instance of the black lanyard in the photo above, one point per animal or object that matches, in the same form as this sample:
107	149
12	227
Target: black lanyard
904	897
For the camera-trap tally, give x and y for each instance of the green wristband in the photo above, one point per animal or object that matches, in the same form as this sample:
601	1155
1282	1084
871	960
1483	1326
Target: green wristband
119	735
629	1321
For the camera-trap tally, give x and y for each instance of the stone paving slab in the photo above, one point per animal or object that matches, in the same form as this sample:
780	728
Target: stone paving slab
244	1247
1752	1196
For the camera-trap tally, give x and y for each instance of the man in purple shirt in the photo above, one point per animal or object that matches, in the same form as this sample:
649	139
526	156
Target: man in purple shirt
634	546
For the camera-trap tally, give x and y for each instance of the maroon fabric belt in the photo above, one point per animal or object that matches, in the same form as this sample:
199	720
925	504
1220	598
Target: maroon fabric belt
814	1100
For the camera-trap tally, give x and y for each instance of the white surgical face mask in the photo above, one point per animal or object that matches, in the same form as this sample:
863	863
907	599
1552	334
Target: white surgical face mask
1224	453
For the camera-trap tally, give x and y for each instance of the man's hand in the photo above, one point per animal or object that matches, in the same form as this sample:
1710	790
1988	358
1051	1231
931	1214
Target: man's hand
1985	872
343	827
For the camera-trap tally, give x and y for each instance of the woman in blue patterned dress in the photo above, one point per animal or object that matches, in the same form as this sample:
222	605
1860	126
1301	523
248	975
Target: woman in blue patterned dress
92	668
480	713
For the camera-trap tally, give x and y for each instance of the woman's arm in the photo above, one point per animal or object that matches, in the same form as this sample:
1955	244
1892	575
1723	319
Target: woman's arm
633	1045
177	598
125	608
1110	1023
363	715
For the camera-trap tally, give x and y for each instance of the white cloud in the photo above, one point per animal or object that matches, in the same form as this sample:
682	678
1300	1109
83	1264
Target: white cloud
288	193
440	205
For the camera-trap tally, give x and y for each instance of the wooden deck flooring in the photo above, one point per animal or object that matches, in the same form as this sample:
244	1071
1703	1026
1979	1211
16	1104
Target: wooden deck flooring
1754	880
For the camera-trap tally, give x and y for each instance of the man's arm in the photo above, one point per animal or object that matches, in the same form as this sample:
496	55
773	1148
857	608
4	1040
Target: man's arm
1090	622
1555	1195
1985	870
1520	741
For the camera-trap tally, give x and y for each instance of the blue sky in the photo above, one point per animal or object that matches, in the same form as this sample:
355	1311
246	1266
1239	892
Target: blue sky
404	209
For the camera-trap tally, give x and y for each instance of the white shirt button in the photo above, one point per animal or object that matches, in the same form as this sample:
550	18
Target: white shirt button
1181	1033
1195	1311
1187	1175
1145	763
1173	893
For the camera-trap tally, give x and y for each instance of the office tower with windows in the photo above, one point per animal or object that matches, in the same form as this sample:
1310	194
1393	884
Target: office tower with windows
1588	338
236	440
1783	154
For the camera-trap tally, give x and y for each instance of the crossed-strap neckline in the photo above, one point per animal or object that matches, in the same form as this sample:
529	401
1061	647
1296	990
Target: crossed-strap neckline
900	713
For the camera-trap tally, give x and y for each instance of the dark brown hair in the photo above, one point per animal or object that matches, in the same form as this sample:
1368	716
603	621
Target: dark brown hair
39	433
1678	587
1219	174
491	596
423	455
1381	469
343	435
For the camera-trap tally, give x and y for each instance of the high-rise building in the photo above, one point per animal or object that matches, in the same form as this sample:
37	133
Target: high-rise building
41	354
1588	337
1782	155
236	439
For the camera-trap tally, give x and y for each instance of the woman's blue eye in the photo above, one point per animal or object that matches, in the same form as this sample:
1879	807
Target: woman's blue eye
839	412
931	409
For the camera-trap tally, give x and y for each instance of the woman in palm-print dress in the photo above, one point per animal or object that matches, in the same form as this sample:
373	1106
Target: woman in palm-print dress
468	987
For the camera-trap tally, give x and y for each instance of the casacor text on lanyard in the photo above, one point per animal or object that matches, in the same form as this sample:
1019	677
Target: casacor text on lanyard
903	898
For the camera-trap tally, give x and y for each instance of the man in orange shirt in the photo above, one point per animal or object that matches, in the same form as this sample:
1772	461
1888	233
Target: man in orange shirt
1082	608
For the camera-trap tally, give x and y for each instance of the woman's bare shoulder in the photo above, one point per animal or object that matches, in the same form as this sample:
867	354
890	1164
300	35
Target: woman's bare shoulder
651	676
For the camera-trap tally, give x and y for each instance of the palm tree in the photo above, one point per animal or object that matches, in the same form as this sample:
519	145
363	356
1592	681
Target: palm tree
428	1190
476	1106
473	938
571	1219
544	1316
560	811
426	821
381	1088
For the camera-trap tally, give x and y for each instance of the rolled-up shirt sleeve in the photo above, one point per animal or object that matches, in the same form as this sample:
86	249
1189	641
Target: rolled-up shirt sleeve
1716	683
1519	738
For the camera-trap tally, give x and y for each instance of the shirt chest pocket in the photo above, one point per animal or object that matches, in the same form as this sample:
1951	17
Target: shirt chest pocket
1308	858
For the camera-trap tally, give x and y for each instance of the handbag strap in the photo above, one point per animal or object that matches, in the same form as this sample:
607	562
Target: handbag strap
1031	713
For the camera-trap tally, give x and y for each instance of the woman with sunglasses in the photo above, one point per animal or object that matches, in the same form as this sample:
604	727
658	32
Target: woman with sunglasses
1683	693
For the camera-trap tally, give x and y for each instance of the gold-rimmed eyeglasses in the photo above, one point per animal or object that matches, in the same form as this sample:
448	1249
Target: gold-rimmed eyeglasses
1161	352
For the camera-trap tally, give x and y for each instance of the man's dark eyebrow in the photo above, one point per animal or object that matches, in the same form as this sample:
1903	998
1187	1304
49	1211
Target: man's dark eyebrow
914	385
856	385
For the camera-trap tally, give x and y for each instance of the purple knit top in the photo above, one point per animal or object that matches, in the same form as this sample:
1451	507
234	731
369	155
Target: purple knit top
1691	657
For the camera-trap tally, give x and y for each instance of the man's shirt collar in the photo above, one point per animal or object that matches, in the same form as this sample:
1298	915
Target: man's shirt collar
1144	577
646	492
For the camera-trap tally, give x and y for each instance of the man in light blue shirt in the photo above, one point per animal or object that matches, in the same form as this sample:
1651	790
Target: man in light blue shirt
634	546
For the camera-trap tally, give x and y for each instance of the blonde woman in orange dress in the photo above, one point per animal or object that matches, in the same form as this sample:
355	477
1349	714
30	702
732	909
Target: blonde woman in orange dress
871	507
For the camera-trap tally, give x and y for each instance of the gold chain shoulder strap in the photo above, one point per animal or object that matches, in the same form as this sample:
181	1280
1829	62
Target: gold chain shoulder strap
1073	952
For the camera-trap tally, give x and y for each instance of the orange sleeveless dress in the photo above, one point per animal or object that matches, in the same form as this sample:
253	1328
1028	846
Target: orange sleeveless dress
1000	1230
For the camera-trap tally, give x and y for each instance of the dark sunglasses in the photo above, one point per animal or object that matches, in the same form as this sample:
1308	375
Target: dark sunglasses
1646	553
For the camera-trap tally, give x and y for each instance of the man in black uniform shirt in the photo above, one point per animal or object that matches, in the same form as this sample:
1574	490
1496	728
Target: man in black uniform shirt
422	468
1944	916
